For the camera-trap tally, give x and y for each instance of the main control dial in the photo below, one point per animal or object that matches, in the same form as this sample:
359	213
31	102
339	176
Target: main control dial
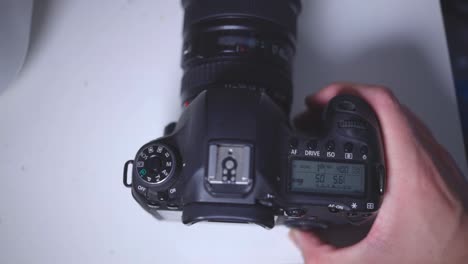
155	163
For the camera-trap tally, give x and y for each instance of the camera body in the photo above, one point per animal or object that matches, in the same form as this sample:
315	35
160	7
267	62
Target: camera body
234	157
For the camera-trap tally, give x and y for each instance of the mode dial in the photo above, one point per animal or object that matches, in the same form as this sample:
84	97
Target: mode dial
155	163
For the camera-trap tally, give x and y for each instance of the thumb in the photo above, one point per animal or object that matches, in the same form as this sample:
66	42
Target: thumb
312	248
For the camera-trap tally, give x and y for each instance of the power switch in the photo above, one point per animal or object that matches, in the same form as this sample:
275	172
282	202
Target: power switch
172	193
152	199
162	196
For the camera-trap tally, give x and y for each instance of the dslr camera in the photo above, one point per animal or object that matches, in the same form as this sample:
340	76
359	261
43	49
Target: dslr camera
233	156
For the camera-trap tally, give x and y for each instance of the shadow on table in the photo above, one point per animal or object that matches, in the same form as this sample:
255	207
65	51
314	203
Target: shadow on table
39	23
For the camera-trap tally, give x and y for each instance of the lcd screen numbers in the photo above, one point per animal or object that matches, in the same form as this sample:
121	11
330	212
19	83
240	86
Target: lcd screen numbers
327	177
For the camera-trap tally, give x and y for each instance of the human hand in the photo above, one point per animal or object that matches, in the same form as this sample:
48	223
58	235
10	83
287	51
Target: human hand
423	217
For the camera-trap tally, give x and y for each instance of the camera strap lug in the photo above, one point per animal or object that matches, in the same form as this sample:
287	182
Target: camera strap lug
125	182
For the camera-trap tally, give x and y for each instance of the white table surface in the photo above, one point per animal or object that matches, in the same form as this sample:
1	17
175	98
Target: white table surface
103	78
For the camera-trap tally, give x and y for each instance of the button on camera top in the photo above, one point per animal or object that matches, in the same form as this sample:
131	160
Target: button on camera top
364	150
330	145
293	143
348	147
312	144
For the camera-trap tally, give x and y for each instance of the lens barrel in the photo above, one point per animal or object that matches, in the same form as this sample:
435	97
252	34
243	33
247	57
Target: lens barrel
239	44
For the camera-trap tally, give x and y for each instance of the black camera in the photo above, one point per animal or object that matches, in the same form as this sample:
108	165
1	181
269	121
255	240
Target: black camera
233	156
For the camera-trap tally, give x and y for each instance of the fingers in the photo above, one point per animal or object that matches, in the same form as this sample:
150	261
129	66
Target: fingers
419	127
400	145
415	163
311	247
395	128
384	103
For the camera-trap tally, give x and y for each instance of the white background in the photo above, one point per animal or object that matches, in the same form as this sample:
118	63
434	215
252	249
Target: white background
102	78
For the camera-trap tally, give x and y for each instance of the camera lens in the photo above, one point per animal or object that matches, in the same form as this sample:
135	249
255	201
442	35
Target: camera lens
239	44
